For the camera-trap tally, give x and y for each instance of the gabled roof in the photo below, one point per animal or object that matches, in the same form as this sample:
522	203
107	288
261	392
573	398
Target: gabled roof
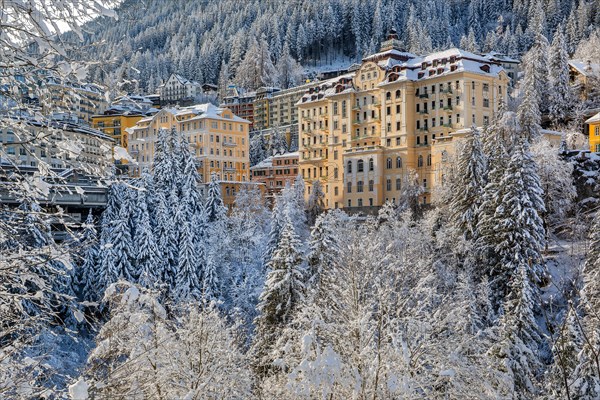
594	119
585	68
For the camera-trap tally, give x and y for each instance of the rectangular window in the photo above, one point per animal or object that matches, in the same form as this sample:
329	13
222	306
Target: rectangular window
388	184
349	187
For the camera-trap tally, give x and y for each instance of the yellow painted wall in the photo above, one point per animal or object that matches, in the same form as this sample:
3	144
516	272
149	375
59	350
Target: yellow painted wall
594	137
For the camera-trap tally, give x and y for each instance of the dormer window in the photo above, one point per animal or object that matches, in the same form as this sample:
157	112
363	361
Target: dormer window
431	72
485	68
453	68
435	63
420	75
440	71
424	65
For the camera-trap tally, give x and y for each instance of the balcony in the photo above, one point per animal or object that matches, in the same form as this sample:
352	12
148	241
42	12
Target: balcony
229	169
229	144
423	96
356	108
448	125
424	112
423	129
356	122
447	91
448	108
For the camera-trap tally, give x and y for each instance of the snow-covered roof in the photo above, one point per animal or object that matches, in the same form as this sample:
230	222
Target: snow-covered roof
495	56
585	68
463	61
266	163
287	155
392	53
595	118
206	110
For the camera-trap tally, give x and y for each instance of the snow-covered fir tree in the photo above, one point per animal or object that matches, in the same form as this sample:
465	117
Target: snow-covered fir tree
87	281
469	186
284	290
587	373
561	101
214	207
148	258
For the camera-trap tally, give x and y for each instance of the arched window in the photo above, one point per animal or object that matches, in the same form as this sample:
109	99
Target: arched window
388	163
349	167
227	190
360	167
371	164
371	185
388	96
429	160
359	186
420	161
397	94
398	162
343	108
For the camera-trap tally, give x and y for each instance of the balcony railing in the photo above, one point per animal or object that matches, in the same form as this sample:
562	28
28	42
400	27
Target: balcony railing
448	108
229	144
423	96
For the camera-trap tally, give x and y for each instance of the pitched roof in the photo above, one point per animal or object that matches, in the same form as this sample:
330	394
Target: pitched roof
595	118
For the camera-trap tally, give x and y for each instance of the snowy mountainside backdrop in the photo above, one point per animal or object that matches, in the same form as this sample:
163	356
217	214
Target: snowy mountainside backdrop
199	38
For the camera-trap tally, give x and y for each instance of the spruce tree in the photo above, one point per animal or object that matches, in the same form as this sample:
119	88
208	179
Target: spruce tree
108	272
518	226
122	246
214	207
88	270
497	160
587	383
470	177
519	341
187	282
560	93
148	258
529	110
283	291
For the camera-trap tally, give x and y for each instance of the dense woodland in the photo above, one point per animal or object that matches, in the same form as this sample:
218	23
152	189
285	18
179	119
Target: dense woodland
218	41
492	292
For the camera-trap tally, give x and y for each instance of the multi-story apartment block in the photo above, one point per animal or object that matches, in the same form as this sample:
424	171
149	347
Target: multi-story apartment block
262	107
361	133
218	138
114	123
511	65
60	144
82	100
275	172
594	133
178	90
241	103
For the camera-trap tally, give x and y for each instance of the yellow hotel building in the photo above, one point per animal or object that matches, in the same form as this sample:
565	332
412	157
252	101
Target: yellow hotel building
594	133
217	137
361	133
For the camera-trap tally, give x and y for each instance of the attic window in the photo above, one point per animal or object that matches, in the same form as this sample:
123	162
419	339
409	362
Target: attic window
435	63
420	75
444	60
424	65
440	71
452	59
393	77
431	72
453	68
485	68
